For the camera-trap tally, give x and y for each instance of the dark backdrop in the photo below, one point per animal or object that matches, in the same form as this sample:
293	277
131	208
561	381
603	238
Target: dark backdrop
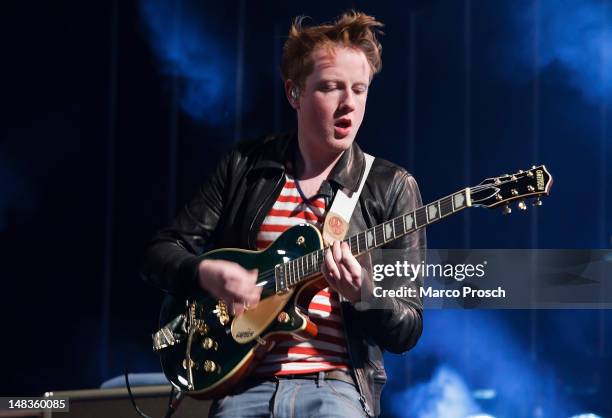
114	112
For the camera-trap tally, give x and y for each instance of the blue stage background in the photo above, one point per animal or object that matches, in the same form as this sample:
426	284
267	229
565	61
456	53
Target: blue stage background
114	112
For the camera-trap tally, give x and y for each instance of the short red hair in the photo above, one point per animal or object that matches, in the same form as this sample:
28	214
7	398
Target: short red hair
352	29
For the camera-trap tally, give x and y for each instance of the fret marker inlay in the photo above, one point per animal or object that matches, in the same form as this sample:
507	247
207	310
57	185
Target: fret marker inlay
432	211
370	236
409	221
388	231
459	200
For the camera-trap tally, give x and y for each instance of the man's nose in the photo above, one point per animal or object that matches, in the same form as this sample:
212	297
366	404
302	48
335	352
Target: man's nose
347	101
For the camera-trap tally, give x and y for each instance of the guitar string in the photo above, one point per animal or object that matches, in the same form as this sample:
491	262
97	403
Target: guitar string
444	202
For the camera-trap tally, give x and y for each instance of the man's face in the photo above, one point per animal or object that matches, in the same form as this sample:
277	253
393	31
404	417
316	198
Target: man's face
332	104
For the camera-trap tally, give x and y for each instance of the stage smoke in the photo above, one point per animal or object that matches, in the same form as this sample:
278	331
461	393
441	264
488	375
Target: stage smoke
188	53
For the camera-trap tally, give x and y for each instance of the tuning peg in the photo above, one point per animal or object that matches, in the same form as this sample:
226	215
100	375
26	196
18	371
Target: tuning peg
522	205
506	210
537	202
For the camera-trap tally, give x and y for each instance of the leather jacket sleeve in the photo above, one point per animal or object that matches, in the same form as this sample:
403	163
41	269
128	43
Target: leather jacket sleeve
171	261
399	325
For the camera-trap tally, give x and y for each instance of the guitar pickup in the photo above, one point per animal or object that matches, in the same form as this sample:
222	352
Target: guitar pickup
168	335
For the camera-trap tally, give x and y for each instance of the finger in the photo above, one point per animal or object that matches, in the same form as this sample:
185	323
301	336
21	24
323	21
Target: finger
232	289
253	275
348	279
331	266
252	292
249	293
254	297
337	252
239	281
238	308
350	262
325	269
331	281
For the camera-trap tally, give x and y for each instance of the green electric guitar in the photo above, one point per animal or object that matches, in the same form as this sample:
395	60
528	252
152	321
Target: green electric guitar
205	350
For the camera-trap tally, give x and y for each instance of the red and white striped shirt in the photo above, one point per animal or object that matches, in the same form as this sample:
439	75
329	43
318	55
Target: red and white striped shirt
327	350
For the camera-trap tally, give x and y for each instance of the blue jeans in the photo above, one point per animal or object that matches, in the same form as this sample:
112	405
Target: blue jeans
291	398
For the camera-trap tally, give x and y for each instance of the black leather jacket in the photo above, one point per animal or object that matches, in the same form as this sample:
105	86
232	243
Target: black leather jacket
234	201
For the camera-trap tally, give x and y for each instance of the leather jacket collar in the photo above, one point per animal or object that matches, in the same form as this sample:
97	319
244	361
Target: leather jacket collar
346	173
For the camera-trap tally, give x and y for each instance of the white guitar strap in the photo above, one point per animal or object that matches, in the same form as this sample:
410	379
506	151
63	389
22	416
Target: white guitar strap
339	215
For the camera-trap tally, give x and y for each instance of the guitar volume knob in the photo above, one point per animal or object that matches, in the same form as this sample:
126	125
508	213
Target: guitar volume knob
209	343
209	366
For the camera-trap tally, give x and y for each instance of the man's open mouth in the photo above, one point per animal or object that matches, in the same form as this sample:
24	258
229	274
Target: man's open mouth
343	123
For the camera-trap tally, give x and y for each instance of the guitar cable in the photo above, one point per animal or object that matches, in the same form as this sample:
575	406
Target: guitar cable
127	385
173	400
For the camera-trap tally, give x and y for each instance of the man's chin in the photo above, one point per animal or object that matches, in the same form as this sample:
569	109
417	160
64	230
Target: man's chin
341	144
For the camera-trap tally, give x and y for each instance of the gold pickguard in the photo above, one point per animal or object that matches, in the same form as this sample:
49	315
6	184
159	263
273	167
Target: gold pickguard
249	325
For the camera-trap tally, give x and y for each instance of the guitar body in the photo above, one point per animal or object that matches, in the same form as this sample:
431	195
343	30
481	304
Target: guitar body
213	351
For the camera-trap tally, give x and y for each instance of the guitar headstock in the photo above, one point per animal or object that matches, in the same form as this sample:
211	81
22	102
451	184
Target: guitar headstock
500	191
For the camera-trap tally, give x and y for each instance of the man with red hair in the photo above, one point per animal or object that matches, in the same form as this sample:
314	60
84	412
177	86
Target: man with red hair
263	188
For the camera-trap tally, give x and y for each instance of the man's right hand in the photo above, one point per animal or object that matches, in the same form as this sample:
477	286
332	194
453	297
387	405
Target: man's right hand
231	283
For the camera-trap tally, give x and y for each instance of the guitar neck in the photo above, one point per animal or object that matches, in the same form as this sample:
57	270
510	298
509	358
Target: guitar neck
305	267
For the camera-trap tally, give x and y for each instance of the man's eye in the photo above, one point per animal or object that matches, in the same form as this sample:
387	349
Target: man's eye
360	89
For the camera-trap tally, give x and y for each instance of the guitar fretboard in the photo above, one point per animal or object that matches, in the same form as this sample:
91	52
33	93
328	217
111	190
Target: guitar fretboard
299	269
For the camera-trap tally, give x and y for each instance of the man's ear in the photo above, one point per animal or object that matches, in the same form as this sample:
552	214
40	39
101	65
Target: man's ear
292	92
